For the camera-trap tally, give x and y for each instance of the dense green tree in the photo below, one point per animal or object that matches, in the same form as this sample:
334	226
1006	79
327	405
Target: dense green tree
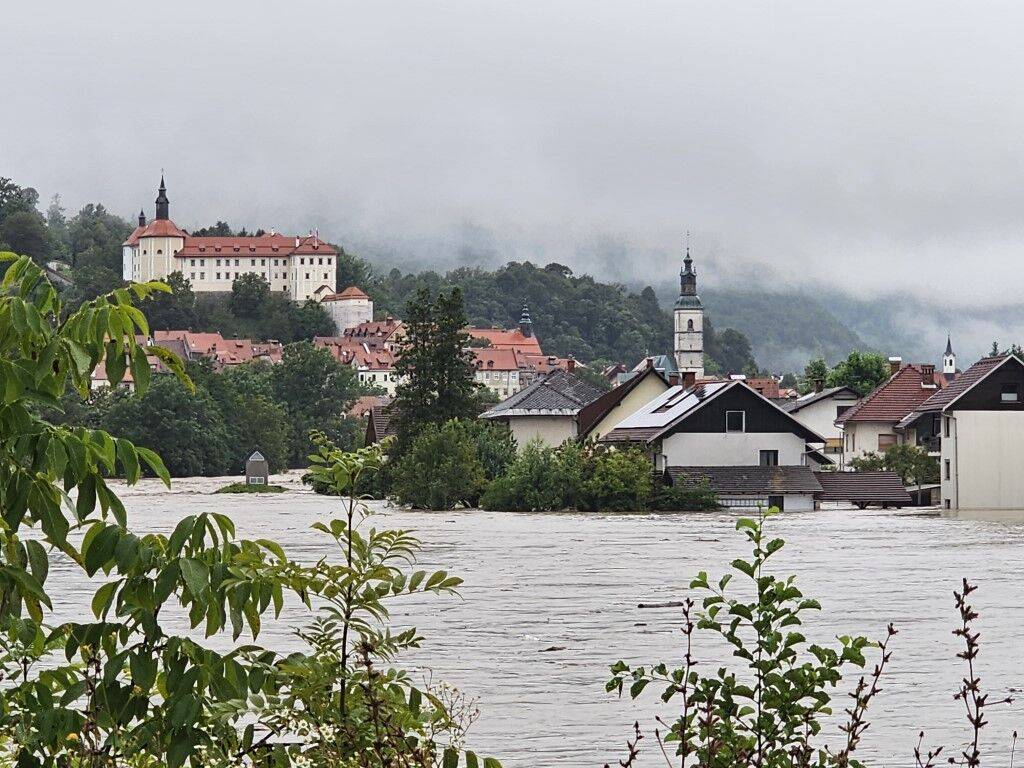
316	392
441	469
351	270
57	224
16	199
187	429
175	310
815	370
95	237
220	229
861	371
730	349
25	232
438	377
249	294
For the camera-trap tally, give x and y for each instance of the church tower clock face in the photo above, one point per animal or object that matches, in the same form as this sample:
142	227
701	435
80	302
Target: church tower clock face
688	317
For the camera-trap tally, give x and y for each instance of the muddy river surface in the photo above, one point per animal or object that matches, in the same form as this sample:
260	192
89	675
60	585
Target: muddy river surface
550	600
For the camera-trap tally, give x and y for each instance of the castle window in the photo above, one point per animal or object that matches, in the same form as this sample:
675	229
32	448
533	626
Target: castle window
143	253
218	275
235	249
325	275
252	262
328	261
192	262
202	275
202	262
307	275
159	250
689	325
191	275
218	262
263	262
321	262
236	262
302	261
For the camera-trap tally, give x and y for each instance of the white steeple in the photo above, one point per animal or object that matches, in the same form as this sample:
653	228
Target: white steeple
688	317
949	359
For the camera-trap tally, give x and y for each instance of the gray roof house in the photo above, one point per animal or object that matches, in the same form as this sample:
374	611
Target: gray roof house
547	410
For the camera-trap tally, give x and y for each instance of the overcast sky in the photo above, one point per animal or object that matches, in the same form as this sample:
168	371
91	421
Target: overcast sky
864	144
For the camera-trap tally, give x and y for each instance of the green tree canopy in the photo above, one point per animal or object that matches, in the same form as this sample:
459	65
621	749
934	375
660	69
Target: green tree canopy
249	294
861	371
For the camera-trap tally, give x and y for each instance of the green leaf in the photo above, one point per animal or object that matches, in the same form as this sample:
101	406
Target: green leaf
102	599
451	758
471	760
101	549
38	561
196	575
155	463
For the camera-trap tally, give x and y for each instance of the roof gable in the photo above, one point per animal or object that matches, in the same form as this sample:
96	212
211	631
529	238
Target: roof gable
592	414
945	398
898	396
558	392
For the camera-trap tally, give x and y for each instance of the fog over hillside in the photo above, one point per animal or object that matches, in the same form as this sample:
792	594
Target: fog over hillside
865	148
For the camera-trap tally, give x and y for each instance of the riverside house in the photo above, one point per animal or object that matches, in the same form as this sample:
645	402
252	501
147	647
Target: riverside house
975	427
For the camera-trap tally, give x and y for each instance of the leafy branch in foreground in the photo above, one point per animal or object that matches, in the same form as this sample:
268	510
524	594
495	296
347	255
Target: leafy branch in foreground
343	697
769	710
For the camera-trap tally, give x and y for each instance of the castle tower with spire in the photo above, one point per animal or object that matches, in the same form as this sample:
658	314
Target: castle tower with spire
525	323
689	322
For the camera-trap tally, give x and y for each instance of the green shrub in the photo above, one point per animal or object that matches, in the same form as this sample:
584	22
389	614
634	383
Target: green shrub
687	498
440	470
620	481
532	483
248	488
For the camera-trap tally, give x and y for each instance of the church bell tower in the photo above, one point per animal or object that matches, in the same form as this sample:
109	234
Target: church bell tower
689	322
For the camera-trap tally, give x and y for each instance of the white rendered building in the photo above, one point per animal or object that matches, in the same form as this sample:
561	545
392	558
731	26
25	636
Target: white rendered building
300	267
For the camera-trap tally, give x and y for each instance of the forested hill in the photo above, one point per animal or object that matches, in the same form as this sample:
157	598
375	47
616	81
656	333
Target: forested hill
572	314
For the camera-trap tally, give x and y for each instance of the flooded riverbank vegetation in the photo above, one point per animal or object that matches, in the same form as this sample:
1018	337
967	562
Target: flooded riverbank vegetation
772	706
121	690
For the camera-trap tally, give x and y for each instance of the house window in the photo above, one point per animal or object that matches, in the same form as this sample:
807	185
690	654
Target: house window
945	469
769	459
945	426
886	441
1009	393
735	421
841	409
947	503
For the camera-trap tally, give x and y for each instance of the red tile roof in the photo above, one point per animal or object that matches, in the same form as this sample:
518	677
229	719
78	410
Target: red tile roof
894	399
489	359
264	245
501	339
162	228
349	293
353	352
133	238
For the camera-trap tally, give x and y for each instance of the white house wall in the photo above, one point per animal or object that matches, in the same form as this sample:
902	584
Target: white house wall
715	449
985	450
551	430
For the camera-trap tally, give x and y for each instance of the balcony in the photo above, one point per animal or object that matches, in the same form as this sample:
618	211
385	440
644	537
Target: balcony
931	443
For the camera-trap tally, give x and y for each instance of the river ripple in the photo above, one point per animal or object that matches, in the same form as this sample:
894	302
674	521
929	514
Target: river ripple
573	581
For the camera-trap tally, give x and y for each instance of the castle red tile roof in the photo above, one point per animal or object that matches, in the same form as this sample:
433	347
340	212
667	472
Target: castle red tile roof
133	238
263	245
349	293
161	228
891	401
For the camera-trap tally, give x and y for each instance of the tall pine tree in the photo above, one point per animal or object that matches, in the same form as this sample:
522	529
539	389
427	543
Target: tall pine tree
435	367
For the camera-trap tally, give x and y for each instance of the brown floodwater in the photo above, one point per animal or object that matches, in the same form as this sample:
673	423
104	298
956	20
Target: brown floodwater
550	600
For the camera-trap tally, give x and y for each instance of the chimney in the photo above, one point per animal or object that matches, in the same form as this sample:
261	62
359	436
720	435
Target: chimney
689	379
570	364
819	384
895	363
928	375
